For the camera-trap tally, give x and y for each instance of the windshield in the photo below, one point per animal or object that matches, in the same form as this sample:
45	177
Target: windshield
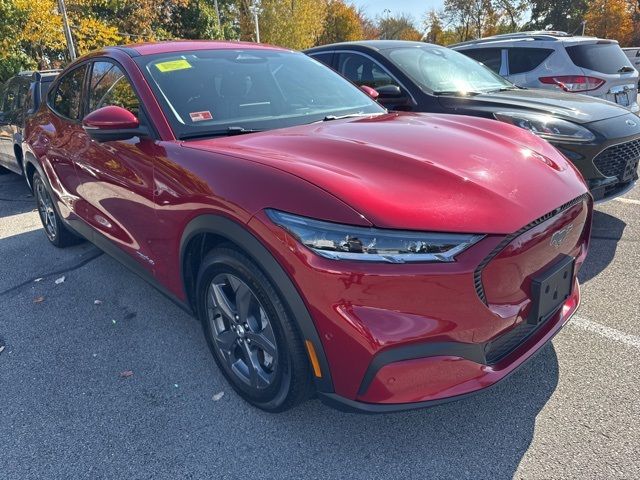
440	70
211	92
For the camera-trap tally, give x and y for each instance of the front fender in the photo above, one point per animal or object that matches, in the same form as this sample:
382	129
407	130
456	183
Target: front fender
240	236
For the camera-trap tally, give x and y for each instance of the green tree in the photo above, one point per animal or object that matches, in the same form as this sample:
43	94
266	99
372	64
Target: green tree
564	15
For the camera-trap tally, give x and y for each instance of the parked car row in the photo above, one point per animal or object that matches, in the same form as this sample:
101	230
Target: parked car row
600	138
20	96
381	258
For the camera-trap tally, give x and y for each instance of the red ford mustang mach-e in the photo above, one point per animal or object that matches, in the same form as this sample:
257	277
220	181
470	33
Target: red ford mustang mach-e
382	260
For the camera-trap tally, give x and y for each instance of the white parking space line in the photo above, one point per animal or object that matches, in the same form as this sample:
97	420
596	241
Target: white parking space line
628	200
607	332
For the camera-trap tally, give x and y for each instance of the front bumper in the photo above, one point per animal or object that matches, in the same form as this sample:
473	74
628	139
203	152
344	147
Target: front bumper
610	163
462	377
396	335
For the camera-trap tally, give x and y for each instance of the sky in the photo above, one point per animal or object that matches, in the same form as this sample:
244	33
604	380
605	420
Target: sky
417	8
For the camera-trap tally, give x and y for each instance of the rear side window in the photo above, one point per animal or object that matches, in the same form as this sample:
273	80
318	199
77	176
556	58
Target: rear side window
490	57
325	58
522	60
66	99
23	89
601	57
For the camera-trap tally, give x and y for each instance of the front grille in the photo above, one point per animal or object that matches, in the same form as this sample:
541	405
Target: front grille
619	161
502	346
477	275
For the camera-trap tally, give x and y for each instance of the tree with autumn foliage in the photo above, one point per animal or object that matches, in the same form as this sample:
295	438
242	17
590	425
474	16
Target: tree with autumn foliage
610	19
342	23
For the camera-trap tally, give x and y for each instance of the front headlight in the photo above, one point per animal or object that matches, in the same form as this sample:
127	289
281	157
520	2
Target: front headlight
546	126
345	242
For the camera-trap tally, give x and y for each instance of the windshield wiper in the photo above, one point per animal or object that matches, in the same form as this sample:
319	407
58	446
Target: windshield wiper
626	69
456	92
504	89
219	133
329	118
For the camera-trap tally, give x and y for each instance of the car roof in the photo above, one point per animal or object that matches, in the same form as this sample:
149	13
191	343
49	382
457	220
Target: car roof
377	45
174	46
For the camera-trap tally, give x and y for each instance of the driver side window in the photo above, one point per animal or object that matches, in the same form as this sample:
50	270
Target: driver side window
109	86
362	70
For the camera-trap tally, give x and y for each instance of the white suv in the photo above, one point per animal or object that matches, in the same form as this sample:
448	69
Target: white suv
559	60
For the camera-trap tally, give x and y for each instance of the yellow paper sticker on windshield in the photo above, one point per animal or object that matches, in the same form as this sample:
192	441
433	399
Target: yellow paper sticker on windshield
173	65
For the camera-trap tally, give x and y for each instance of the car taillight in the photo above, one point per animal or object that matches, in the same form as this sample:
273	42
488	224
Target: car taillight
574	83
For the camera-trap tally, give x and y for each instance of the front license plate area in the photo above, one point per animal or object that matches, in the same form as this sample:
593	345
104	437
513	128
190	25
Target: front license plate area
551	289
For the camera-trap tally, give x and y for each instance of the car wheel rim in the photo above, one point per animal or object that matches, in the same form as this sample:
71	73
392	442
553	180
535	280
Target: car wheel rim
46	211
242	331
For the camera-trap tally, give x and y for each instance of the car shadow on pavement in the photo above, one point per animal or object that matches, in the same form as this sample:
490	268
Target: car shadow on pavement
606	232
15	197
163	422
484	436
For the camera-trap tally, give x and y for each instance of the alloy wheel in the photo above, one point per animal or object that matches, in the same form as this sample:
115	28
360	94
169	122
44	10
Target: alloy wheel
242	331
46	211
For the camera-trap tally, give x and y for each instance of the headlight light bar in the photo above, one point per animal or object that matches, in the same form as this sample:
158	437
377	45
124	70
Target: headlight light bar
547	127
346	242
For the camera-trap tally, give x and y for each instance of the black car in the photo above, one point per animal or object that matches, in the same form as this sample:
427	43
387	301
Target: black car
599	137
20	96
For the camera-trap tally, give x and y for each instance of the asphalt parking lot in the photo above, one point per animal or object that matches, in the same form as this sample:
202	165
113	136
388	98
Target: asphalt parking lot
66	411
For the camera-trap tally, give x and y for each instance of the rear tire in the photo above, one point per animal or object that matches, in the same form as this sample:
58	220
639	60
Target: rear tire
250	333
55	229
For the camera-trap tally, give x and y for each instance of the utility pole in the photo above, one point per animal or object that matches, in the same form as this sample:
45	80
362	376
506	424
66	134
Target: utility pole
67	30
256	10
218	14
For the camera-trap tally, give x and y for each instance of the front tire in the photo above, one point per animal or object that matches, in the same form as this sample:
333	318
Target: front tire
250	332
55	229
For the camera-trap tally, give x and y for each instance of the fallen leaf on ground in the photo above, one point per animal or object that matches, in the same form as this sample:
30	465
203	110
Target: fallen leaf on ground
126	374
60	280
38	279
38	299
97	302
218	396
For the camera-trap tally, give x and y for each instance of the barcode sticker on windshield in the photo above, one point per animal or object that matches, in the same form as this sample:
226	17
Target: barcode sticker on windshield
173	65
200	116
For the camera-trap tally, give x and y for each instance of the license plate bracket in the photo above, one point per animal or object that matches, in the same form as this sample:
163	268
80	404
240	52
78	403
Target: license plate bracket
550	289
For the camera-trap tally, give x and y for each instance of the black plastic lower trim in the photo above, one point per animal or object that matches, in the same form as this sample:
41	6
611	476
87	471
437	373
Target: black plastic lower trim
470	351
353	406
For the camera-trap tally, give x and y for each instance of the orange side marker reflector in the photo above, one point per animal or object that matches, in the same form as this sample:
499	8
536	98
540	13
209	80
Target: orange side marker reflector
314	359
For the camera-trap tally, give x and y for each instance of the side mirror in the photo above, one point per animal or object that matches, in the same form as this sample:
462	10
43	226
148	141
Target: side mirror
372	92
390	91
108	124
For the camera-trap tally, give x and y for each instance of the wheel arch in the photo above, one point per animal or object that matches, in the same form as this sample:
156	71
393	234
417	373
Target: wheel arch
30	167
208	231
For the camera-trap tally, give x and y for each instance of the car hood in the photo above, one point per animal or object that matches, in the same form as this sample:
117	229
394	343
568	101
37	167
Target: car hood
419	171
568	106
